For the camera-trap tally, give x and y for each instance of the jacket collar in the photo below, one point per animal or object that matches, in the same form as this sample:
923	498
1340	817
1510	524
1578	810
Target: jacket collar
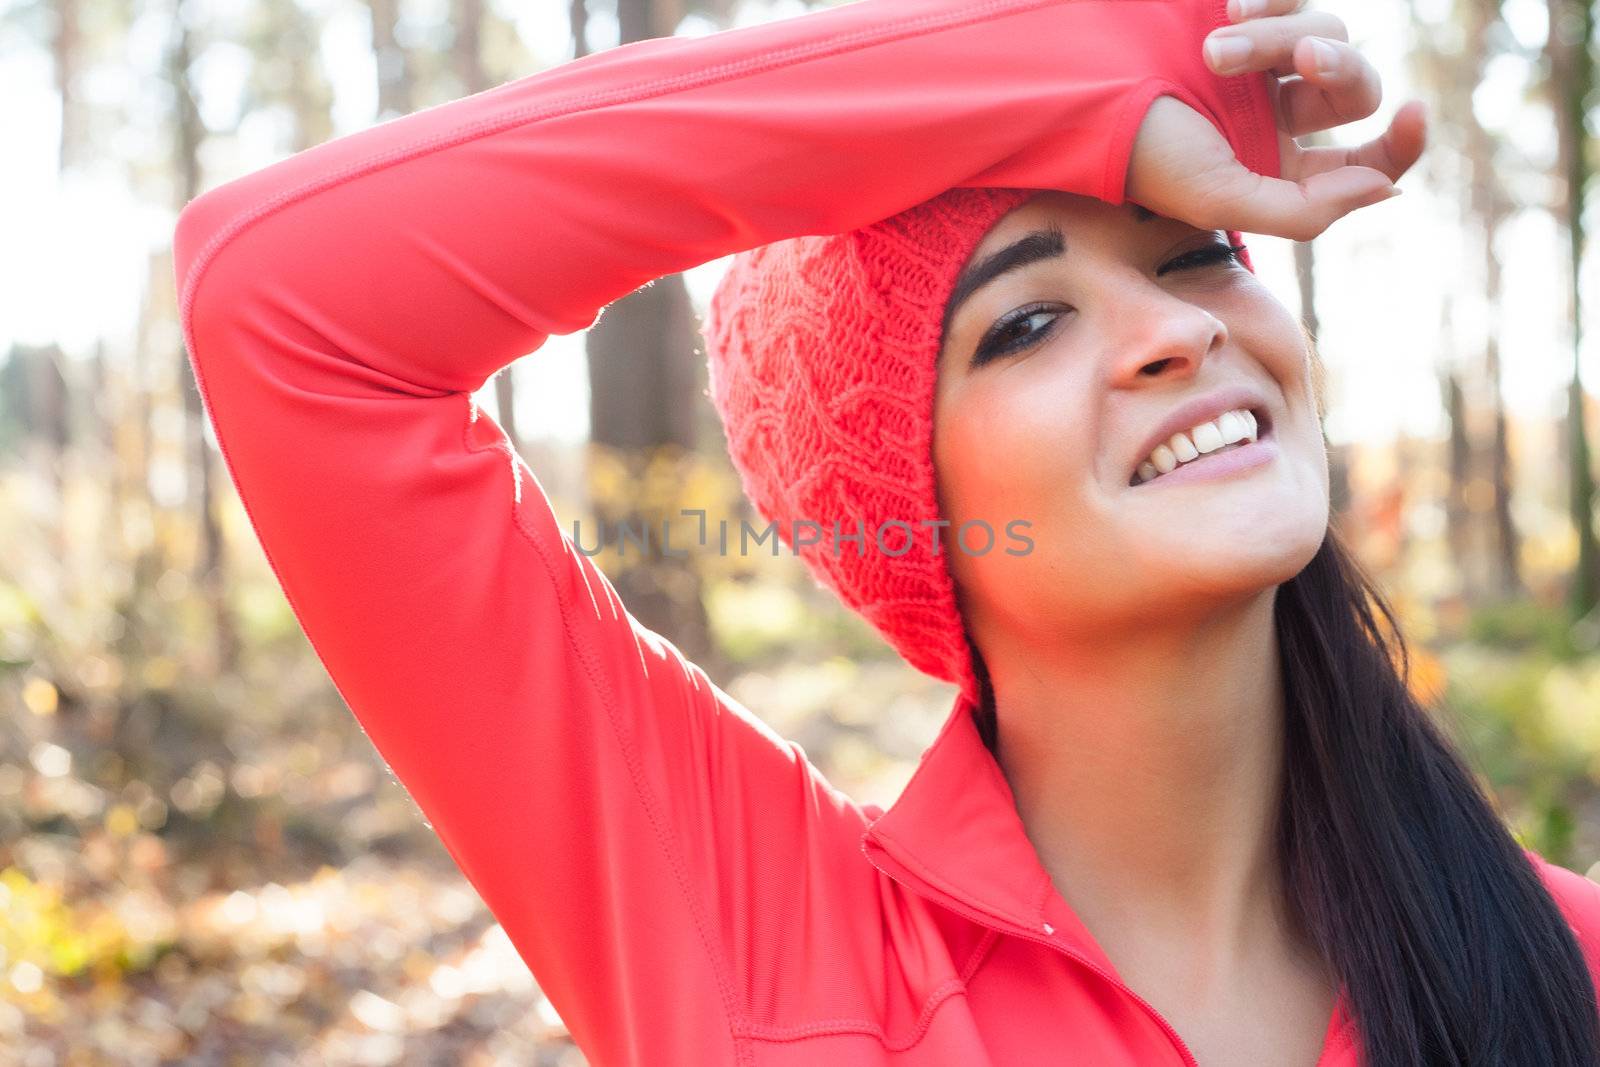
954	836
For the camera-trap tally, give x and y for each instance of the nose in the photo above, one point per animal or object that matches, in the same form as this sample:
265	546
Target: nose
1162	334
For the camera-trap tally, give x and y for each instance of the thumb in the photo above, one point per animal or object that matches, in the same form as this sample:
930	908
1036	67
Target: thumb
1302	210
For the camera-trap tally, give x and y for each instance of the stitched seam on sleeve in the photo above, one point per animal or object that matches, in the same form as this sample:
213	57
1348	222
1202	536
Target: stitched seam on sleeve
1119	146
979	954
1114	152
741	1048
944	991
601	683
1240	92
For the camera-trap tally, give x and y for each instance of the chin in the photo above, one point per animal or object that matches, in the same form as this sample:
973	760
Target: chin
1233	559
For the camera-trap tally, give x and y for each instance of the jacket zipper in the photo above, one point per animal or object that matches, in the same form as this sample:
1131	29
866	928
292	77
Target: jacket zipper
1025	932
1183	1049
1330	1045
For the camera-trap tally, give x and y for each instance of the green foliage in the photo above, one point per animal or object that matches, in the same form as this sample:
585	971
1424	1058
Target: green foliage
1530	722
38	927
1524	625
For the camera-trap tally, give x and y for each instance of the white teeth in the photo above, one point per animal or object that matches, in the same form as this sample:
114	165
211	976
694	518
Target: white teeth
1234	426
1229	427
1207	438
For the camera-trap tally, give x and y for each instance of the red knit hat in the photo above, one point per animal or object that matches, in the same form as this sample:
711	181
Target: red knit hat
823	354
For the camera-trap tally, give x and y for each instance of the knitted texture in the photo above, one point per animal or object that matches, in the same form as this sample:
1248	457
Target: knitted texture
822	354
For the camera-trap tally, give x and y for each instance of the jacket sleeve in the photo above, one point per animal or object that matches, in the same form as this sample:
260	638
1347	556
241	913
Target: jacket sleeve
1578	898
646	842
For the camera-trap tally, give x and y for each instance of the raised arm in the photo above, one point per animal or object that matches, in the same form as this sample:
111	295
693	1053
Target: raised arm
643	839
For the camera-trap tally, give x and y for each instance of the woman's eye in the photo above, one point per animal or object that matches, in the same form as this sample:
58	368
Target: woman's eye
1201	257
1012	333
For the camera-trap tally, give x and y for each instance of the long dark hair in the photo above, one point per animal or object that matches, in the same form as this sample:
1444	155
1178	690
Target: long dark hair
1449	947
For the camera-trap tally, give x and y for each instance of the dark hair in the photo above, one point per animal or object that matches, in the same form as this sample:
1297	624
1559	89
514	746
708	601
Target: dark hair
1449	947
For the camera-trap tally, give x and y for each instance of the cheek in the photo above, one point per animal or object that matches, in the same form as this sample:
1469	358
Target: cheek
1016	474
1017	449
1278	342
1273	336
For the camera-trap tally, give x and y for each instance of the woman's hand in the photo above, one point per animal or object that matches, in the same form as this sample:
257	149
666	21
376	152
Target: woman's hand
1183	168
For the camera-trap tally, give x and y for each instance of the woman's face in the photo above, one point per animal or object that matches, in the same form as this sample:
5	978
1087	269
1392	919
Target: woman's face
1135	318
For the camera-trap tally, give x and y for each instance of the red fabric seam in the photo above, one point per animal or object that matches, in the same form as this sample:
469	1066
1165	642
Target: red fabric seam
936	999
601	683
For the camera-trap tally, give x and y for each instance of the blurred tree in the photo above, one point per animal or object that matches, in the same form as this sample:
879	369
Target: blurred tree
1452	65
646	380
644	387
286	71
1490	203
1305	271
189	132
1458	526
395	65
67	48
1570	83
33	399
578	19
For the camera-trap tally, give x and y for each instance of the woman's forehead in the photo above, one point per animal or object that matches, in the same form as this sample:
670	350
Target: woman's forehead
1066	210
1033	232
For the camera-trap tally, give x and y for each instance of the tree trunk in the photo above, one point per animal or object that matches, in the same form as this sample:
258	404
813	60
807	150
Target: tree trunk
310	95
1489	204
66	47
1305	269
1571	64
1457	513
396	75
644	381
212	566
578	15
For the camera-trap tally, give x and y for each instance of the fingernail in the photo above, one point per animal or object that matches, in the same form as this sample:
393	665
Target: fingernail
1324	55
1227	50
1246	9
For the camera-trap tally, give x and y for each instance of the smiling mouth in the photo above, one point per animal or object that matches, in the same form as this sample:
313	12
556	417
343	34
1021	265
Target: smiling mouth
1263	432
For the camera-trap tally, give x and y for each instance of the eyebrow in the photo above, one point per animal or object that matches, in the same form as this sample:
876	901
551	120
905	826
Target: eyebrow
1046	243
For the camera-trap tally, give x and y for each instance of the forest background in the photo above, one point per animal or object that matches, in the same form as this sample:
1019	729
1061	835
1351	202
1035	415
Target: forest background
203	859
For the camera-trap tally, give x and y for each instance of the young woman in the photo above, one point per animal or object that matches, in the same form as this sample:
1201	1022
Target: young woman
1183	810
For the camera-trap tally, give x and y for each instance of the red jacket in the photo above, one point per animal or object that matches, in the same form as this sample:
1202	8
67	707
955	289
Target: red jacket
685	886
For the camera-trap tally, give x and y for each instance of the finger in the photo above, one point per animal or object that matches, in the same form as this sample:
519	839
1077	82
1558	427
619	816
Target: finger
1337	85
1392	152
1297	210
1268	43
